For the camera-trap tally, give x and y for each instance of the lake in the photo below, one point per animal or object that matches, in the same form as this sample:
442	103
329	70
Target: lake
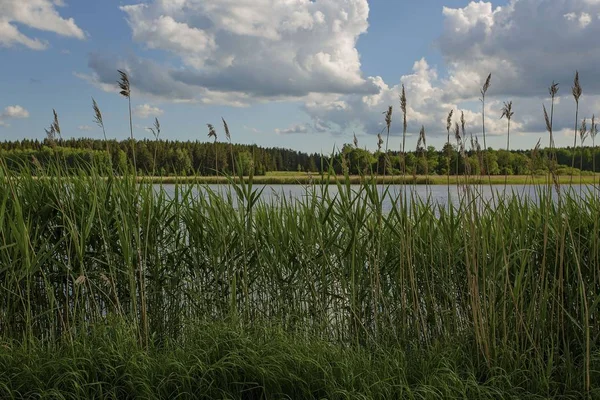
435	193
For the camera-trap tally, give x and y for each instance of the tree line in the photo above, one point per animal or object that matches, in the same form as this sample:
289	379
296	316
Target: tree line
185	158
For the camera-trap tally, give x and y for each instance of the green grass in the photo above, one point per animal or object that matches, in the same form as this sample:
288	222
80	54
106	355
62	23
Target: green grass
223	361
111	288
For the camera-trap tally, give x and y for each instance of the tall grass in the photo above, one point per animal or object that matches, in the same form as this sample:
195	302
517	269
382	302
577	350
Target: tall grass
128	289
517	279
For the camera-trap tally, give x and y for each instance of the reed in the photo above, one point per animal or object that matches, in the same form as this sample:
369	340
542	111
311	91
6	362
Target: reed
508	113
576	91
125	289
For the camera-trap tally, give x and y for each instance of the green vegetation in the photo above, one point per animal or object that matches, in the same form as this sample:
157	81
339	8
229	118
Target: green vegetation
119	288
110	287
173	158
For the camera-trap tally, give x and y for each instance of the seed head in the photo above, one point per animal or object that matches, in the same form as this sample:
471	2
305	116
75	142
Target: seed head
379	141
226	127
486	85
507	111
403	100
124	84
55	123
50	134
547	119
355	141
576	89
97	114
211	131
583	131
388	118
422	142
553	89
449	120
457	132
156	129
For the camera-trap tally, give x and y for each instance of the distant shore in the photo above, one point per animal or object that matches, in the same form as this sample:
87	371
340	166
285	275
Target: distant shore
306	179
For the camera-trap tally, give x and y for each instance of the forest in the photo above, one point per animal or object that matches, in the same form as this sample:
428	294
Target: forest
187	158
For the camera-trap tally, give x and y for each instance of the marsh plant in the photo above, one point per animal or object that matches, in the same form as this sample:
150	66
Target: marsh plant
127	290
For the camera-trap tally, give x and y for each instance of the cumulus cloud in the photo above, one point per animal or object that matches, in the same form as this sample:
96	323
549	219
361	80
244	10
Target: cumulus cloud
36	14
13	112
241	52
146	111
248	50
84	128
526	45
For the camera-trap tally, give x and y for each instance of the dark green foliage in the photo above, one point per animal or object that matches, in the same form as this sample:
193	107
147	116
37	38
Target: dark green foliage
173	158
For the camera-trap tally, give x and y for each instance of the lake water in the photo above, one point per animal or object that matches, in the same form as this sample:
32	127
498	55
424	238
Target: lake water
434	193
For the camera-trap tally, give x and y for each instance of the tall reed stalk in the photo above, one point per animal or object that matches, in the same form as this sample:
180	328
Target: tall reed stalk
508	113
576	91
212	133
448	149
593	133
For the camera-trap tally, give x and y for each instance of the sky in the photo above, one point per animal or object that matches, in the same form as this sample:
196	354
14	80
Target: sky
300	74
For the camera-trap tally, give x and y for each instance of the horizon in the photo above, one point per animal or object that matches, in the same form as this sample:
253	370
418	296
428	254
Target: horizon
304	78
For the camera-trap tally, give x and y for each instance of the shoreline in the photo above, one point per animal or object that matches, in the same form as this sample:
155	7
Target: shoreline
307	179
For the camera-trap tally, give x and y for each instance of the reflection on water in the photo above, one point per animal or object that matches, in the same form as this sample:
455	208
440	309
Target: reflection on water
436	194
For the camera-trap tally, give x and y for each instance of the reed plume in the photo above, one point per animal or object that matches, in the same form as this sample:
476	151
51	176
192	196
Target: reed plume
156	133
447	147
228	136
483	91
56	125
576	91
507	113
212	133
553	90
458	139
388	124
98	120
125	87
404	127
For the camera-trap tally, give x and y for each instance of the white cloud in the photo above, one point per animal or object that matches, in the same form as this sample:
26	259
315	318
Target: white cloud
241	52
583	19
146	111
526	45
295	128
244	51
13	112
84	128
35	14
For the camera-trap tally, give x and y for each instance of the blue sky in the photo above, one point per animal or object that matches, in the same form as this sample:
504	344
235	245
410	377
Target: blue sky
295	73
